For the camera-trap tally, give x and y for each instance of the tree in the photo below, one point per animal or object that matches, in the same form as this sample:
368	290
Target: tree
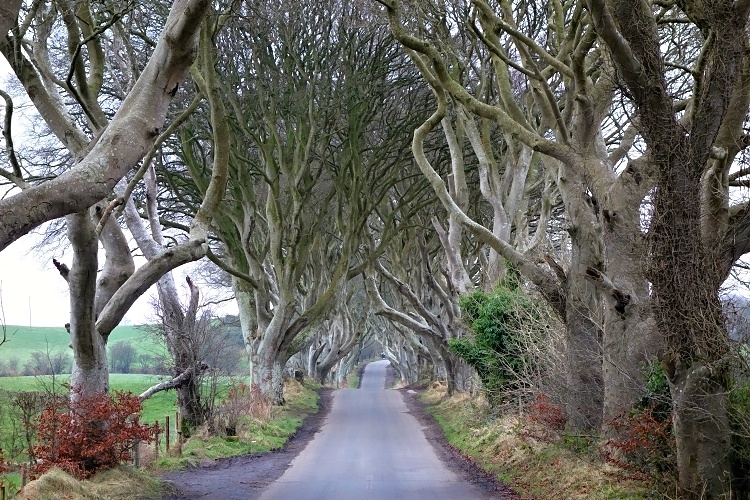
342	332
316	126
539	91
122	355
695	235
127	137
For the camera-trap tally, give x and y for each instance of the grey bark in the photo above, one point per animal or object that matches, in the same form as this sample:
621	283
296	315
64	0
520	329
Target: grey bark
125	141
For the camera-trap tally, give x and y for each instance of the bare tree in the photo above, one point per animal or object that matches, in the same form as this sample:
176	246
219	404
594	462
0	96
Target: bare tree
309	130
127	136
695	236
122	356
523	73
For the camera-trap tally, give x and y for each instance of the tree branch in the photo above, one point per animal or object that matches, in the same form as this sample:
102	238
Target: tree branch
126	140
176	382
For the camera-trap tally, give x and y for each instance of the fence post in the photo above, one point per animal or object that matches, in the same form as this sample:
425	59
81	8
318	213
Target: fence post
137	454
166	433
24	477
3	492
178	430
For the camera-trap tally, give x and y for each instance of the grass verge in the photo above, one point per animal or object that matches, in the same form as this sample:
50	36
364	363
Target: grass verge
538	463
254	436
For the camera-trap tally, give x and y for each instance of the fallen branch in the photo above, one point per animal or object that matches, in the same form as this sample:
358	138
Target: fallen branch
176	382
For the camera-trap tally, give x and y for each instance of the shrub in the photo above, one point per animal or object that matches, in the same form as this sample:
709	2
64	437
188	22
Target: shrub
657	397
91	434
495	349
241	401
647	449
545	412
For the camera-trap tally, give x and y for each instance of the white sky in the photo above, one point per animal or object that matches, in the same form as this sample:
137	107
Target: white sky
34	294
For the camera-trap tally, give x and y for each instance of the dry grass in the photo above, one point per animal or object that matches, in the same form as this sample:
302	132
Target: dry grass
538	462
117	484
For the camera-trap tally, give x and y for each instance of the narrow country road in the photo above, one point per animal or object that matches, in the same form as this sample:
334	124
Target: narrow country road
369	448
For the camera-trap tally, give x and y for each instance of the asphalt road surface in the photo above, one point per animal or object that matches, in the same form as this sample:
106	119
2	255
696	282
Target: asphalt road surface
370	448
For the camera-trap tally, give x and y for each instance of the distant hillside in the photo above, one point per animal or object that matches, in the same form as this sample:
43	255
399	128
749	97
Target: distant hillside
24	341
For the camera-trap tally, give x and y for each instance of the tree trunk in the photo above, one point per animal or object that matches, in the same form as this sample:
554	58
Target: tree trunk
584	391
450	367
693	326
629	348
702	430
90	375
266	375
265	369
189	406
631	342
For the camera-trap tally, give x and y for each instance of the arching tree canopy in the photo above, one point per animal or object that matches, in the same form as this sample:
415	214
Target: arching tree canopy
353	167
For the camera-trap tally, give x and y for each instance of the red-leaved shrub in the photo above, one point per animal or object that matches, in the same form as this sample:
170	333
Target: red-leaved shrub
647	449
91	434
545	412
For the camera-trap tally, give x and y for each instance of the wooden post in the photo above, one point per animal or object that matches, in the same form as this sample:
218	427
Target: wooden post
166	433
137	454
156	446
24	477
178	430
3	492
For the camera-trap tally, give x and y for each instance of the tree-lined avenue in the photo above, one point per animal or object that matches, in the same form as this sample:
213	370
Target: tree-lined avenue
370	447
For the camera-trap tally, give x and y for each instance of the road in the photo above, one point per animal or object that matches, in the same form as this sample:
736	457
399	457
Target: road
369	448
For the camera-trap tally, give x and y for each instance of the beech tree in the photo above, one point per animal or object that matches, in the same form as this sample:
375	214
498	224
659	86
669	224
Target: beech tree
679	70
318	125
547	106
343	330
104	140
696	233
104	155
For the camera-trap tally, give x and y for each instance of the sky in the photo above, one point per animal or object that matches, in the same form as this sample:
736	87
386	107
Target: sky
34	294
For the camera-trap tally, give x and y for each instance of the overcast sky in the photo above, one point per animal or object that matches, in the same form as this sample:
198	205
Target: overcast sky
31	290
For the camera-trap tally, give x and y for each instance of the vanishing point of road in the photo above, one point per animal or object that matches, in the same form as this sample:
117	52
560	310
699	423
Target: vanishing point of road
370	448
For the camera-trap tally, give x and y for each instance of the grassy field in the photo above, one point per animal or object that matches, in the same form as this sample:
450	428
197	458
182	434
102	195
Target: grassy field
125	482
155	408
24	340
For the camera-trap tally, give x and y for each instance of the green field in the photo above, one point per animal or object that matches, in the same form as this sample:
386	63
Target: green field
24	340
155	408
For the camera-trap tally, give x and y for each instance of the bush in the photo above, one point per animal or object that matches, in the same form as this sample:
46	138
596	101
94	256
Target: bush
495	350
241	401
545	412
647	449
89	435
